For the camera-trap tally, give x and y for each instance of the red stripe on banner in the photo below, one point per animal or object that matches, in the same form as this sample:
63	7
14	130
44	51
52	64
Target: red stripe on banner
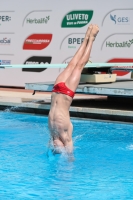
120	60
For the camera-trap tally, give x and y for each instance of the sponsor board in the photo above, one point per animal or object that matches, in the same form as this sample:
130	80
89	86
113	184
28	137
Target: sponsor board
37	41
77	18
72	41
39	17
121	60
37	60
118	17
5	41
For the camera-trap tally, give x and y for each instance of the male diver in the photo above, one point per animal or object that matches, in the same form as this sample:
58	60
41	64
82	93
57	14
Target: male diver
63	92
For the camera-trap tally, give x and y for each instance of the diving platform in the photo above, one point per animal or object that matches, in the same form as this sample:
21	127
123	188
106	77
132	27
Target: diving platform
120	88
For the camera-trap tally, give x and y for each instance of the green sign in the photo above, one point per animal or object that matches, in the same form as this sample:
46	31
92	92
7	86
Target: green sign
77	18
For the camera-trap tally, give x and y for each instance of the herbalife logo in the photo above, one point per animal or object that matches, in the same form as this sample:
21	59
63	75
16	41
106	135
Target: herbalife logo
5	41
120	45
38	21
119	20
76	19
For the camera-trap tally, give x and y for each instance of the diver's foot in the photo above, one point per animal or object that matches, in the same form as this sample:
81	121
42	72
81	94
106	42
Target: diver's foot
88	32
94	32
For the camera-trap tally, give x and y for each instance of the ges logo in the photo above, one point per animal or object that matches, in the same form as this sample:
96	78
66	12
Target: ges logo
119	20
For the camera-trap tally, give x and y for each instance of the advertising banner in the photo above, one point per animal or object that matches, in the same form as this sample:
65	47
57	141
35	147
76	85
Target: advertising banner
50	32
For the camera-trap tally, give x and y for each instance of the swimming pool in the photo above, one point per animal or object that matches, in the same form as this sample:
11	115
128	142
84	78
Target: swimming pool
102	169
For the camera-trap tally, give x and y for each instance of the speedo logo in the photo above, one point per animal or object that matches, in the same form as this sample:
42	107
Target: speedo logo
37	60
37	41
119	44
33	63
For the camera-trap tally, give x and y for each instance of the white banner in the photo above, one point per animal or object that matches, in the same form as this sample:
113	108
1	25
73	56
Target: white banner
39	32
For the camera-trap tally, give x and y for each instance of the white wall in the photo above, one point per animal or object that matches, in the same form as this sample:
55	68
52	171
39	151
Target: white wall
14	15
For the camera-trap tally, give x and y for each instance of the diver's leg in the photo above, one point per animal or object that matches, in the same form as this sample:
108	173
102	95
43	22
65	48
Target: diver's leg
68	70
73	81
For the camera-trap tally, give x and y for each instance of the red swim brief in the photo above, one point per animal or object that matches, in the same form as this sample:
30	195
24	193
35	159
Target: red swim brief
63	89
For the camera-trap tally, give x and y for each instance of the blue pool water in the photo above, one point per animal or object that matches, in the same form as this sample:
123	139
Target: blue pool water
102	170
